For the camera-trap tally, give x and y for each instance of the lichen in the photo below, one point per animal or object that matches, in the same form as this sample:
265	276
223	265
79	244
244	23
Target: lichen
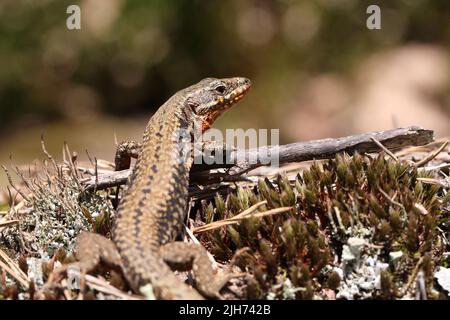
58	210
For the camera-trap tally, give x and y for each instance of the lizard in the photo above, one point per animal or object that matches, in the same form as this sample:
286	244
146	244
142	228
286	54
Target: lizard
150	215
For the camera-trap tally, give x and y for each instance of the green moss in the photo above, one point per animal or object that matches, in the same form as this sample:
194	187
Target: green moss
376	199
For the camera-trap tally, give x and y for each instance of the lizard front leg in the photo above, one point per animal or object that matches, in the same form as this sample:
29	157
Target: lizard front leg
124	152
127	150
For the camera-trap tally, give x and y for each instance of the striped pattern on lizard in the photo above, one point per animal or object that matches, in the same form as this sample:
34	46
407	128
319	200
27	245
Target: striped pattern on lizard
151	213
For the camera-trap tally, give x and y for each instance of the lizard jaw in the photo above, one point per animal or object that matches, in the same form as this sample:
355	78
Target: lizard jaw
225	104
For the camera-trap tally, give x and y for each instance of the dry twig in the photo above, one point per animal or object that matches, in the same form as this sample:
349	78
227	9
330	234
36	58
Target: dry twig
295	152
236	219
430	157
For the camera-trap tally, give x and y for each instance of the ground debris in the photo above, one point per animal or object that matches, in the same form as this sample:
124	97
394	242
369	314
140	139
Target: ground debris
352	227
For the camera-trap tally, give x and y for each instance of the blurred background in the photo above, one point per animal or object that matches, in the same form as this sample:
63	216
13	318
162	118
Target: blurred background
317	71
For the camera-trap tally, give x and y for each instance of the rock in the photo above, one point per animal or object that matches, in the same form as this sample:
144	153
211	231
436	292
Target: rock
443	278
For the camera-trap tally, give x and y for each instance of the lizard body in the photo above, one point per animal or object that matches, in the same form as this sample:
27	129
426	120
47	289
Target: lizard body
151	213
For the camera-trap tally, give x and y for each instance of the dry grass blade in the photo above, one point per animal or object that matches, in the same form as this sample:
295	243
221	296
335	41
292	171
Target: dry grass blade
104	287
48	155
13	269
235	220
439	182
388	152
431	156
71	163
12	264
421	208
116	142
191	235
11	183
195	240
412	277
250	210
8	223
237	217
96	174
13	274
438	167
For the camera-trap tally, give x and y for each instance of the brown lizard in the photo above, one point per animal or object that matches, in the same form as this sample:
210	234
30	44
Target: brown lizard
151	213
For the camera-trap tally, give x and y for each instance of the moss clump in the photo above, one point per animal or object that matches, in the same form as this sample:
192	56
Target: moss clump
377	201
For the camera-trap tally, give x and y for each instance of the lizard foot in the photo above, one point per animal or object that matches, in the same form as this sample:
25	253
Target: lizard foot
91	249
186	256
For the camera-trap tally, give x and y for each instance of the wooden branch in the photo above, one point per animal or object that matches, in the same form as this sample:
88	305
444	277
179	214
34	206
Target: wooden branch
328	148
237	162
107	180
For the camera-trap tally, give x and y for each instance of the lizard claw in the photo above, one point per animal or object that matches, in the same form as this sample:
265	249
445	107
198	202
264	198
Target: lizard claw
213	290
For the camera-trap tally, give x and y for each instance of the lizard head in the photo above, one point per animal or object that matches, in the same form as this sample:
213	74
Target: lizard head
211	97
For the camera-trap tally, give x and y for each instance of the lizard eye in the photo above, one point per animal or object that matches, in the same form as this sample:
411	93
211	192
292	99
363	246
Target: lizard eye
220	88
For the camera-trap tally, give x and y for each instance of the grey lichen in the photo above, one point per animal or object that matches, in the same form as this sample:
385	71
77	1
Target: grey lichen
56	212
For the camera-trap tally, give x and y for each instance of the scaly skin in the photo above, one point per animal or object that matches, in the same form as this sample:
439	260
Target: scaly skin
153	208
